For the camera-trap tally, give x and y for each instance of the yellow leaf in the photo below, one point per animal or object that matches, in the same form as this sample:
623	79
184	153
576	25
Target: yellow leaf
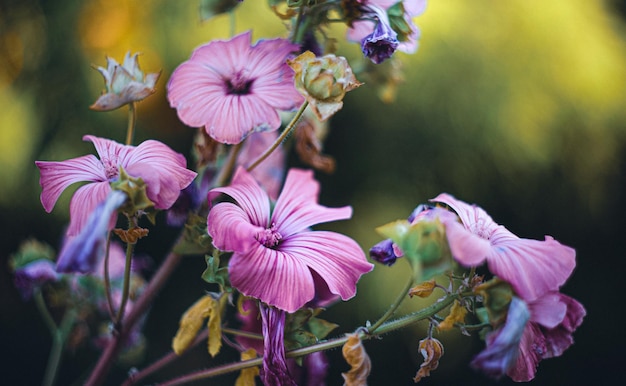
423	290
215	325
457	315
354	353
432	350
190	324
246	377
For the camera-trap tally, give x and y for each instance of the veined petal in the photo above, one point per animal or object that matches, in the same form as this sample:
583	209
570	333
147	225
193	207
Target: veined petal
108	149
84	203
530	345
57	176
532	267
251	198
473	217
230	228
268	55
275	277
337	259
297	208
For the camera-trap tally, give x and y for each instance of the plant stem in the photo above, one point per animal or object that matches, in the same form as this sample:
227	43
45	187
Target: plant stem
126	288
244	334
324	345
227	170
107	279
98	375
281	138
394	306
132	117
56	351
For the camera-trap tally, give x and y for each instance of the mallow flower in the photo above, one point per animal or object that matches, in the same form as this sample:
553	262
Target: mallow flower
162	169
233	89
532	331
532	267
274	248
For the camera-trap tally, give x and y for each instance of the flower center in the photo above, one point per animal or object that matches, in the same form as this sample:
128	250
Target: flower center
238	85
111	170
269	237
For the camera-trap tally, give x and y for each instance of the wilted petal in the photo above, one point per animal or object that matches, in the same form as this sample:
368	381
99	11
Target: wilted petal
274	372
360	364
503	345
81	253
432	350
33	275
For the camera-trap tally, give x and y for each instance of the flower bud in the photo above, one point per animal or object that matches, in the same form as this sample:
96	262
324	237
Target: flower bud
323	81
125	83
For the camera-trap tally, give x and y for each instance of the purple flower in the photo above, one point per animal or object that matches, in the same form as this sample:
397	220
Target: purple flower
82	253
234	89
408	42
34	275
384	252
163	170
532	267
383	41
533	331
275	249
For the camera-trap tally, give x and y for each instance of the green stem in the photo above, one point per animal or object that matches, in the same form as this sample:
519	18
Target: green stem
227	170
132	117
244	334
233	22
45	313
107	278
59	336
281	138
126	288
394	306
325	345
295	38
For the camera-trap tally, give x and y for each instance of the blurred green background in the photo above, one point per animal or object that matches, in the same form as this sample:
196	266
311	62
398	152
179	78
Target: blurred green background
518	106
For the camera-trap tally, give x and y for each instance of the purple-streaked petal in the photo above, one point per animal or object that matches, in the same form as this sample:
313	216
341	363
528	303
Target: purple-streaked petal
278	278
230	228
338	259
297	208
111	153
267	56
249	196
57	176
84	202
466	248
274	371
82	252
474	218
532	267
558	339
531	345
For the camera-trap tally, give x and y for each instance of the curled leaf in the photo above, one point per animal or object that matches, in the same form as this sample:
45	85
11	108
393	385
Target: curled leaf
246	376
456	315
423	290
432	350
360	363
192	321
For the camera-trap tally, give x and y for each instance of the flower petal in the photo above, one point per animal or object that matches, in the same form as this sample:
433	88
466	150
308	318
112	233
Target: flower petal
532	267
337	259
297	208
57	176
275	277
467	248
84	203
249	196
548	310
230	228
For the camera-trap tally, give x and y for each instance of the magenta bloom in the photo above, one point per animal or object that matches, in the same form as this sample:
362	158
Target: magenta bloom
538	330
532	267
276	255
163	170
233	89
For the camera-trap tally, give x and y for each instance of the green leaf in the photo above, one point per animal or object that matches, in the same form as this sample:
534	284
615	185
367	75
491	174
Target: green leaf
216	274
195	239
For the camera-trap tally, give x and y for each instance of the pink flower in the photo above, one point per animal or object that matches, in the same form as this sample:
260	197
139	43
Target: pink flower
233	89
271	171
276	255
163	170
533	331
532	267
408	42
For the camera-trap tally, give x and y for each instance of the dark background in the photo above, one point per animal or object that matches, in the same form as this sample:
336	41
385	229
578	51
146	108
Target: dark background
518	107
